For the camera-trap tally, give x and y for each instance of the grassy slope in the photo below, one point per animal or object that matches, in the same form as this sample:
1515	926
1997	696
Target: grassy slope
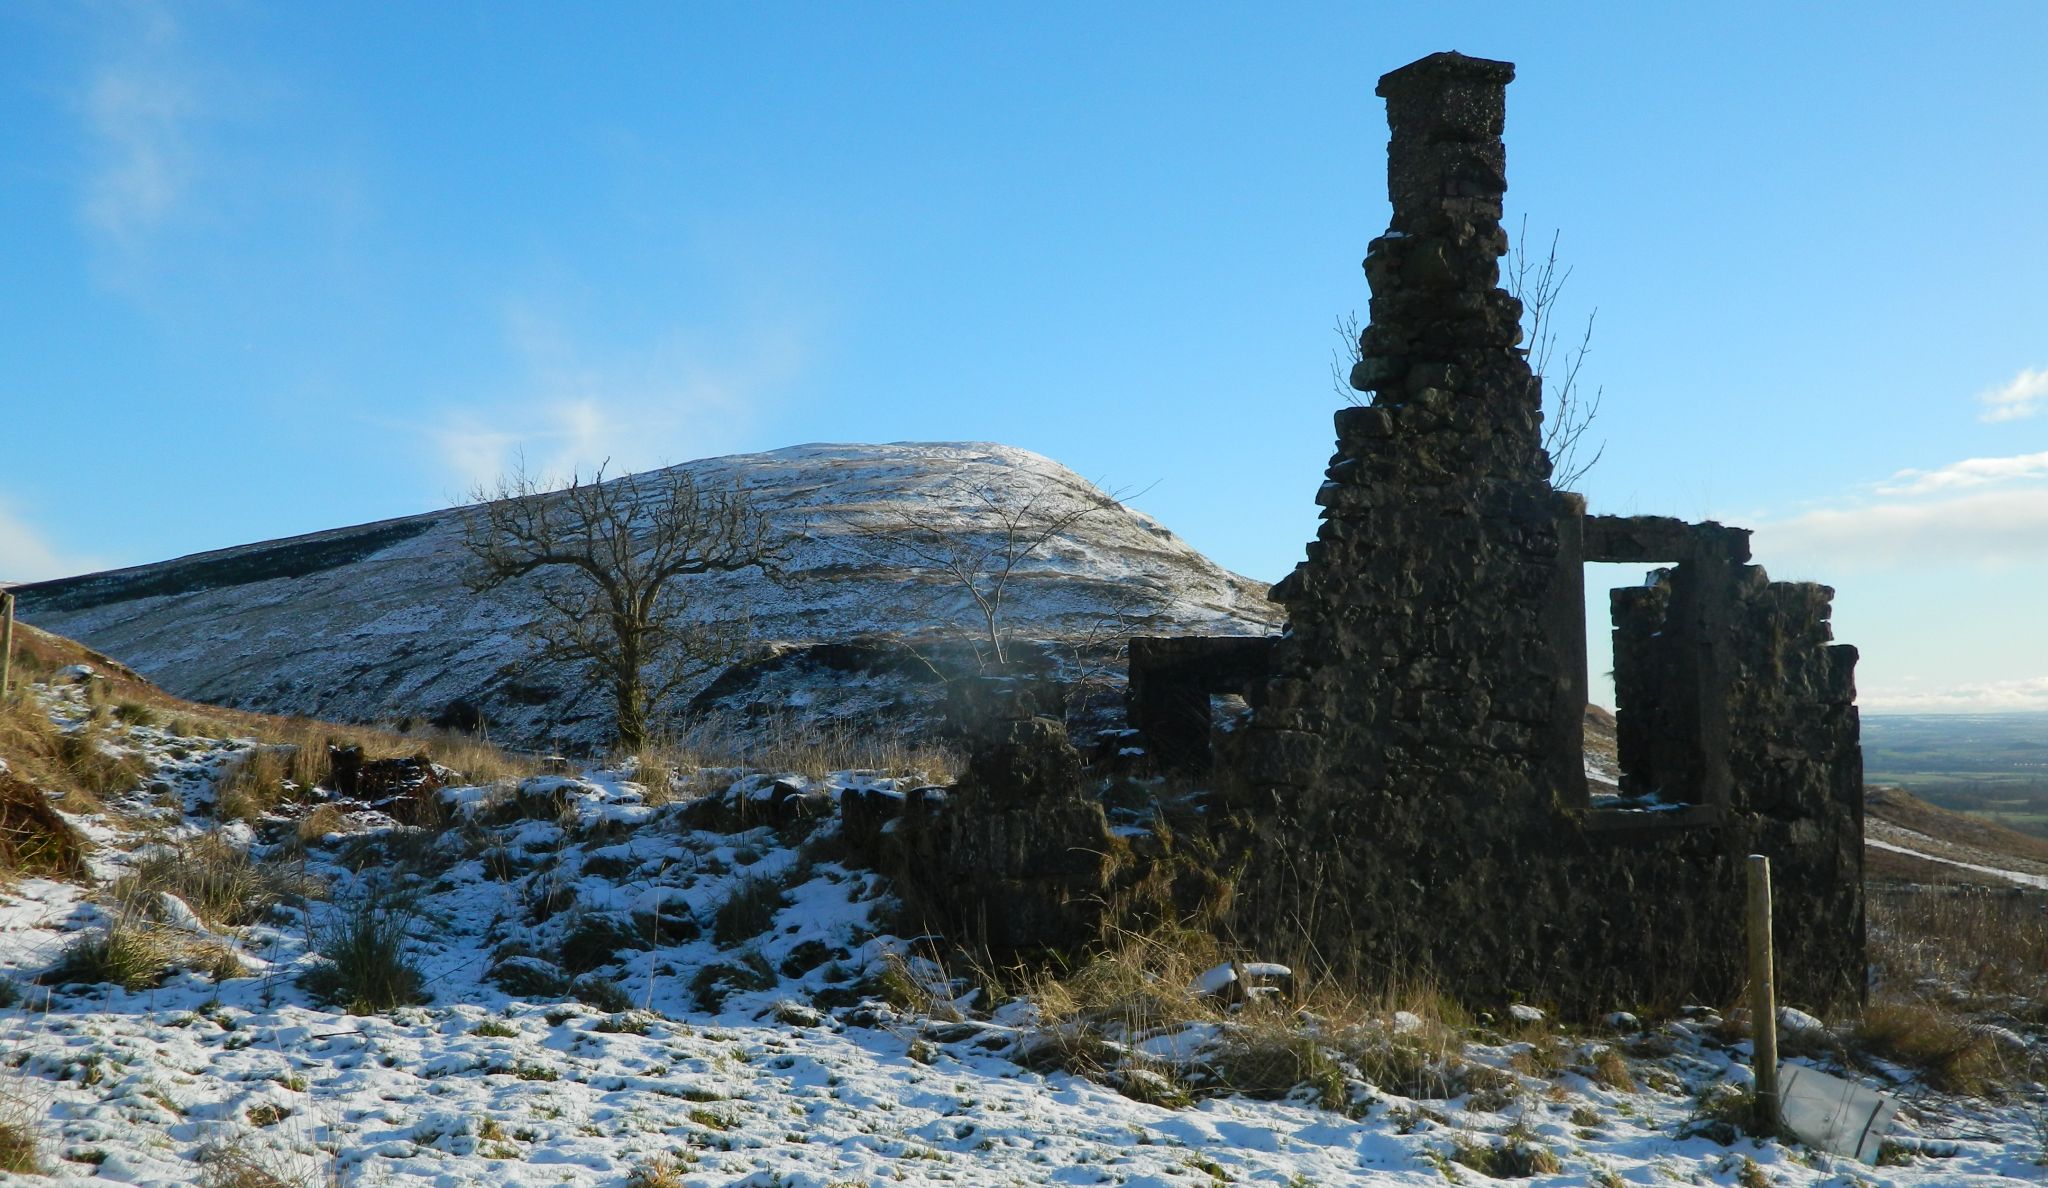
30	749
1961	836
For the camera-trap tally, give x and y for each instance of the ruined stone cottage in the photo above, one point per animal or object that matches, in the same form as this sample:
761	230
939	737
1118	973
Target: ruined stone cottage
1406	799
1408	795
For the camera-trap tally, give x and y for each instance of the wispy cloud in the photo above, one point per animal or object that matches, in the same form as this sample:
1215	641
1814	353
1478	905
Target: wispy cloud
138	105
1970	472
552	441
26	556
1995	696
2020	397
1912	553
577	407
1986	528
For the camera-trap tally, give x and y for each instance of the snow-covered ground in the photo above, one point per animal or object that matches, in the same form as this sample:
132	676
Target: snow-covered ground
788	1068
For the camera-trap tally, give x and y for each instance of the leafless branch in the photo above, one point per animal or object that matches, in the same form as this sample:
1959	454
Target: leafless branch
1538	284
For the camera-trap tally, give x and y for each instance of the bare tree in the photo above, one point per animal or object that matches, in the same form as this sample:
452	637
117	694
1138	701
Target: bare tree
974	538
1537	285
606	561
1568	411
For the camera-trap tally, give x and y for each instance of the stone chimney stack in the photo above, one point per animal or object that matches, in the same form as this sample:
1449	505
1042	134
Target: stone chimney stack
1442	329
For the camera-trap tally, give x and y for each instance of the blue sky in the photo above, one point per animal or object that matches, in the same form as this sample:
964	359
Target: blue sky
266	269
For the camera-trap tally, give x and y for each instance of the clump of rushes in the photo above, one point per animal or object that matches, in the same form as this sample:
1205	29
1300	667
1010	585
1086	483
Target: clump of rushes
367	969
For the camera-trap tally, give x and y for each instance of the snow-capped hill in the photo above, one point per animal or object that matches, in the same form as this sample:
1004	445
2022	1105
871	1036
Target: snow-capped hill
374	622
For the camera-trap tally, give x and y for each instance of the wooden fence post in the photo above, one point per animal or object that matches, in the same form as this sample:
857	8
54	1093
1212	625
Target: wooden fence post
6	642
1763	1005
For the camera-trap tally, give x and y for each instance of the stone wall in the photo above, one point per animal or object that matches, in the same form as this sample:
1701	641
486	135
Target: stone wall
1019	858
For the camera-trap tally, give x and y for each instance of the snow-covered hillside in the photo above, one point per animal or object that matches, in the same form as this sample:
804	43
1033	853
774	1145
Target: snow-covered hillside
372	622
598	1012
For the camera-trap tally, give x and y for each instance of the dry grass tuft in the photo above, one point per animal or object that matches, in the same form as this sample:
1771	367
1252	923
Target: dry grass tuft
74	762
19	1148
256	783
234	1163
1951	1053
34	838
479	761
323	820
220	883
1985	943
1516	1156
1321	1043
661	1171
129	951
814	751
26	732
1139	983
1268	1054
1940	956
1610	1069
658	771
748	909
94	767
1406	1038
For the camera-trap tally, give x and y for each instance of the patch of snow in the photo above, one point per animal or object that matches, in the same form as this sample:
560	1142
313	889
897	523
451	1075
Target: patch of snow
2025	880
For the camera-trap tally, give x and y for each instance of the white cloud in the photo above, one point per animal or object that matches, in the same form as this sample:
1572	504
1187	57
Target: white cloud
1970	472
2021	397
473	447
137	108
1937	567
25	556
551	440
1995	696
628	410
1988	528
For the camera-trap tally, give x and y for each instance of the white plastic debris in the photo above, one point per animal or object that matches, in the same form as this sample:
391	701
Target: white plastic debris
1833	1114
1794	1021
1524	1013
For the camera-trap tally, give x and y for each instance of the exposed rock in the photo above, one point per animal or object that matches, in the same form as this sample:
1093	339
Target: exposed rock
1015	857
405	788
462	715
1172	684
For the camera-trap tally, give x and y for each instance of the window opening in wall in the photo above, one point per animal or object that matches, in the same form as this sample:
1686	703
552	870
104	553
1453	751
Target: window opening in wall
1663	682
1603	759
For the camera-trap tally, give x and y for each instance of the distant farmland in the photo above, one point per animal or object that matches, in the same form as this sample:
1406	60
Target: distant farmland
1990	765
